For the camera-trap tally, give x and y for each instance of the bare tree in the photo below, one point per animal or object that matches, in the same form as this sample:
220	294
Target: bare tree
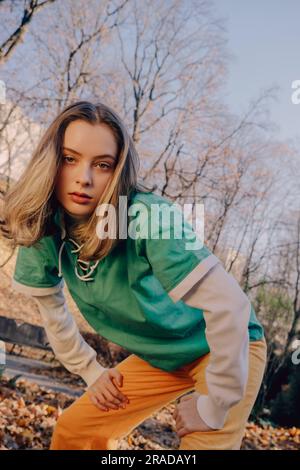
67	62
173	62
30	9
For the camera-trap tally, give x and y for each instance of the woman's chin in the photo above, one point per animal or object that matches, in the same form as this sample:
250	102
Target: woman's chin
78	213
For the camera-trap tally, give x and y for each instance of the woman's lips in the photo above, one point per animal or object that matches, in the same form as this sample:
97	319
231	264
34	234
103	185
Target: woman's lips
80	199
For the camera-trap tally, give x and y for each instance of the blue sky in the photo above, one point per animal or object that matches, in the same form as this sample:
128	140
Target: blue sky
264	37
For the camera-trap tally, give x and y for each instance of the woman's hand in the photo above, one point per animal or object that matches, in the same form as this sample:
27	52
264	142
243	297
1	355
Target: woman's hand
104	392
187	417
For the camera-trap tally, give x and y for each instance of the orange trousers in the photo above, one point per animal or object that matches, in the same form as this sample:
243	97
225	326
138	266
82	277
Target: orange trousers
83	426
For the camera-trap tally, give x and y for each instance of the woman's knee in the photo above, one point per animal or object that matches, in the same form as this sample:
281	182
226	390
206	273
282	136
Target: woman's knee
65	429
66	421
211	440
72	431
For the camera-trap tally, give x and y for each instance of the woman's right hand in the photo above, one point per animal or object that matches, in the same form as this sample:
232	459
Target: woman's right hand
104	392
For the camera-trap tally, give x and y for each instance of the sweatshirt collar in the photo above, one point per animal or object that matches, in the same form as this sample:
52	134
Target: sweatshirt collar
84	265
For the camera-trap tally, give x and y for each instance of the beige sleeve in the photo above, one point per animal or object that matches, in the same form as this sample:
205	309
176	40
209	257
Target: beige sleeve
65	339
226	310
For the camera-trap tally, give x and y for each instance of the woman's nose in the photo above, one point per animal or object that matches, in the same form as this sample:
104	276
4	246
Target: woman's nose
84	175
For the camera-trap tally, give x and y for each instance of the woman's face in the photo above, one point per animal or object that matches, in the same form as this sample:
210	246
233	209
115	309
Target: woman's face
89	157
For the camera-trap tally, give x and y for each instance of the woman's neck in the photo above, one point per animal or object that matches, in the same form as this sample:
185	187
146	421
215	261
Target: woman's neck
72	219
71	223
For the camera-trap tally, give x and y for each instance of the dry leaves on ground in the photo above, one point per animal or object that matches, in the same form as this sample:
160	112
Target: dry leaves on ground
28	414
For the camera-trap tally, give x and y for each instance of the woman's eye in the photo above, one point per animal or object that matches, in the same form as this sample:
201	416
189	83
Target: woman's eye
67	159
102	165
106	166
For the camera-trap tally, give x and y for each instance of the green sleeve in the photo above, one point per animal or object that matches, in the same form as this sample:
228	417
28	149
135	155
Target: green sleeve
35	270
177	256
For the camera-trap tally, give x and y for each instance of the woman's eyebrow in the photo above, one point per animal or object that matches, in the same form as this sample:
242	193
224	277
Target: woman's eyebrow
80	155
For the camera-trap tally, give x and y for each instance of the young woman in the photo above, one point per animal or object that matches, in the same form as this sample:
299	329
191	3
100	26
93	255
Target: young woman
186	322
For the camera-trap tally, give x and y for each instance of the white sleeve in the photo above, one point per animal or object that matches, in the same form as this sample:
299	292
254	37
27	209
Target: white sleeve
65	339
226	310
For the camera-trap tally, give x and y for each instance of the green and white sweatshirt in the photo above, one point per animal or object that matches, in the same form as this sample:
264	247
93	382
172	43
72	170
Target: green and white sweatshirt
152	296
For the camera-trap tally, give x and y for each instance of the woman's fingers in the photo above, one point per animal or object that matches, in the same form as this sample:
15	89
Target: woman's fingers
116	393
96	402
104	392
111	400
107	398
112	393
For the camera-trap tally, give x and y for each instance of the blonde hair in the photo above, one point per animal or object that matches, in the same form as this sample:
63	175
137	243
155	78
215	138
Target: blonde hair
30	204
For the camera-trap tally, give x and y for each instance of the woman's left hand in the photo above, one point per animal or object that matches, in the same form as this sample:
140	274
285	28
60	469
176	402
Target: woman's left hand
187	416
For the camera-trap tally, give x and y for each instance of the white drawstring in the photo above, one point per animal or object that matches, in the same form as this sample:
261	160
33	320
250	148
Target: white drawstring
83	277
59	258
92	268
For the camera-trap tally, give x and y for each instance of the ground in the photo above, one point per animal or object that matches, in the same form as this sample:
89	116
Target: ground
28	414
